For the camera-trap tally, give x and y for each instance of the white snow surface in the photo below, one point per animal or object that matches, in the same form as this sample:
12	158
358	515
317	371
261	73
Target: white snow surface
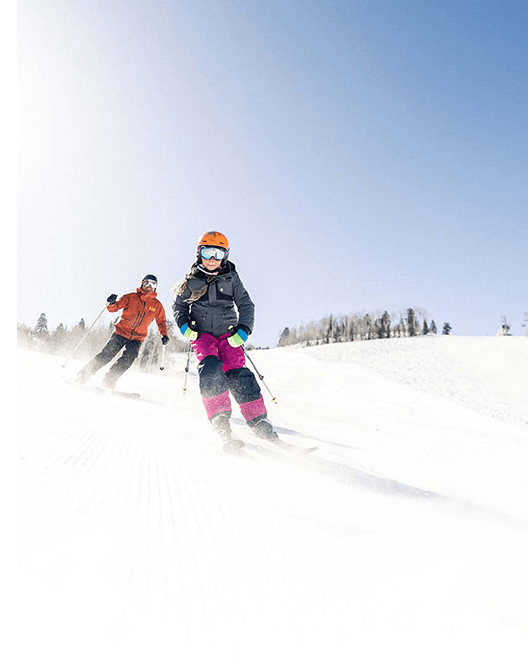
405	535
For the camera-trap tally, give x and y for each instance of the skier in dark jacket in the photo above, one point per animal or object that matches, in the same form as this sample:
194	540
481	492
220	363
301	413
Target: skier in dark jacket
214	311
140	308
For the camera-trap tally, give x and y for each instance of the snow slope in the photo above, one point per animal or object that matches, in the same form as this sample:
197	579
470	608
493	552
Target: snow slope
405	534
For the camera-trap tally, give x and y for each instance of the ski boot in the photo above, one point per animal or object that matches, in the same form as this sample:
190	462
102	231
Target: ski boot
263	429
109	383
222	427
82	377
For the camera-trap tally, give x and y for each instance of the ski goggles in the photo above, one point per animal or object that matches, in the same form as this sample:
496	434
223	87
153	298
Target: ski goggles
147	283
207	252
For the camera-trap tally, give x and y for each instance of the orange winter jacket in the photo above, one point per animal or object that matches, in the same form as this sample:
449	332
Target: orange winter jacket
139	310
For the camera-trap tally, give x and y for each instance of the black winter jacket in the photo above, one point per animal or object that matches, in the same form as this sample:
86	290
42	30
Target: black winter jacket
215	312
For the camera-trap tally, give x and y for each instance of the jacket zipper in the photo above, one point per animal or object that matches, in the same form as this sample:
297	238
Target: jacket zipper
138	320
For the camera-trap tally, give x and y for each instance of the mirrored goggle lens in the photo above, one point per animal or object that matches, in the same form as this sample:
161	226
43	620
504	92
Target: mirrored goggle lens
212	252
151	283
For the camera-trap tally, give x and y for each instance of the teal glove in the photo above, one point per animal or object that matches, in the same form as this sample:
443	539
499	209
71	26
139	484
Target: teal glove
188	333
238	338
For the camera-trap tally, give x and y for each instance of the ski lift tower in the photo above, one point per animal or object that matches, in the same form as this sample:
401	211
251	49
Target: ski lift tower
504	330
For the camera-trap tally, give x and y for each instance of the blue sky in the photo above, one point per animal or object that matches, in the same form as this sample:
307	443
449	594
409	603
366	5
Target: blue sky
360	156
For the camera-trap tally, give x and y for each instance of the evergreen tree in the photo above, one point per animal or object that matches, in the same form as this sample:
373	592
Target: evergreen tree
378	328
447	329
351	329
368	326
411	327
425	329
385	325
283	339
24	336
57	338
433	328
339	331
330	329
42	324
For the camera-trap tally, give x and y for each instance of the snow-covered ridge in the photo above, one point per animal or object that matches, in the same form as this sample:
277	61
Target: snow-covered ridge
486	374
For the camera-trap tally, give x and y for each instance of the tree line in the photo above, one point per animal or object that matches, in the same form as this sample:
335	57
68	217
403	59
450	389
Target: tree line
83	343
357	327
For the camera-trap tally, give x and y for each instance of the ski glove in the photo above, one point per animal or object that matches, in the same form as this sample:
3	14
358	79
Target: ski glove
188	333
239	336
111	299
164	339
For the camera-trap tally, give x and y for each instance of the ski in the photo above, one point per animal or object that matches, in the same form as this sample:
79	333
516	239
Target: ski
126	395
271	444
263	430
233	448
295	449
273	448
231	444
280	447
104	390
277	449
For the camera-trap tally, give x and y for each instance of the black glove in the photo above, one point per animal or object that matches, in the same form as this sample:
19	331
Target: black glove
111	299
164	339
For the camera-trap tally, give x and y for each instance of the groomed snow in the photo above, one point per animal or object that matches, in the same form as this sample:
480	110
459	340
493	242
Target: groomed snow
404	536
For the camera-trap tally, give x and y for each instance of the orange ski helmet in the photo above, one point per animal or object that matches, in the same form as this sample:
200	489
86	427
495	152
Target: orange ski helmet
213	239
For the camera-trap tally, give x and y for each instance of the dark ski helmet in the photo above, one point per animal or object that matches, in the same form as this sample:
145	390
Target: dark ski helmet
152	278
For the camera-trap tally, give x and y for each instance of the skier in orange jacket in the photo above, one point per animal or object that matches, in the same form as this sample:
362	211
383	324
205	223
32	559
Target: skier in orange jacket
140	308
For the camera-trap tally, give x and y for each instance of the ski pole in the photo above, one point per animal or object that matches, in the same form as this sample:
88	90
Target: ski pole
162	365
187	368
86	335
273	398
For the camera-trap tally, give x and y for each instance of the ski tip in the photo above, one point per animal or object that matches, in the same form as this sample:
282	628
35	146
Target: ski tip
102	390
236	448
126	395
